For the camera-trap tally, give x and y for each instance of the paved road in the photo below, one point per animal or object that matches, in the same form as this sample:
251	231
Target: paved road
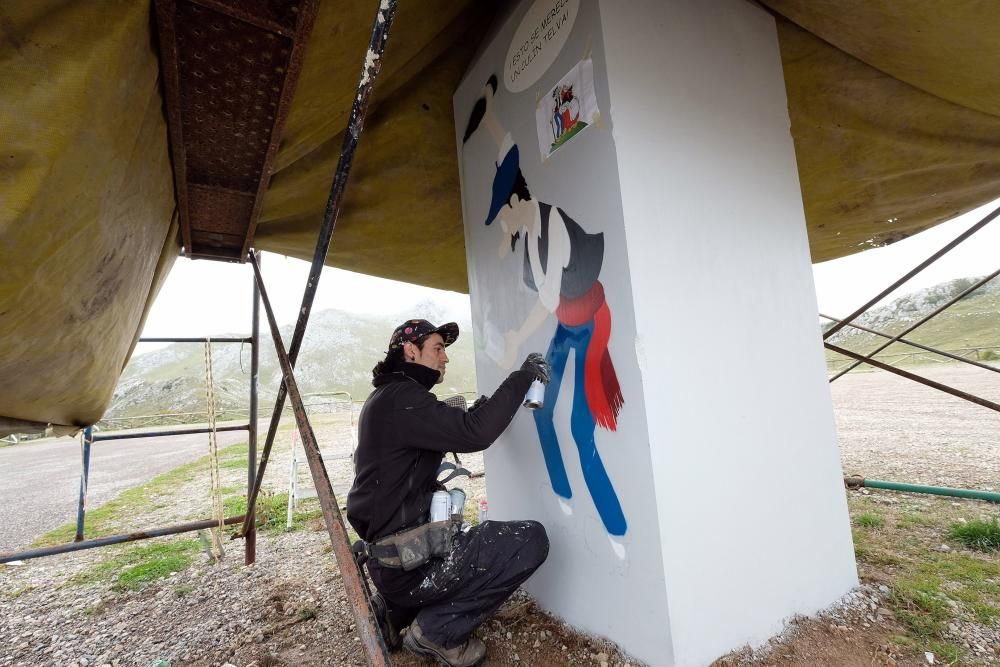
40	481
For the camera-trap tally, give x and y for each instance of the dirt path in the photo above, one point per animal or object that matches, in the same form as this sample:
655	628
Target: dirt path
893	429
40	480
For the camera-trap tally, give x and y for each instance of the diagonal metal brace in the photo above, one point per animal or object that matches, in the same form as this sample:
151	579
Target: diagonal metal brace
366	84
371	638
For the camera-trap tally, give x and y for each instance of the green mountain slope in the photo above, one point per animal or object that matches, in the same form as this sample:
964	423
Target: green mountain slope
971	327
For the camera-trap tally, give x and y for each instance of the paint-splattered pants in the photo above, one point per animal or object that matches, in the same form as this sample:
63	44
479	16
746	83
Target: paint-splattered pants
455	595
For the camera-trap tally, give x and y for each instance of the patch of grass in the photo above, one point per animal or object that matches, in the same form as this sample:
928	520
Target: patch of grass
102	571
912	520
234	457
930	587
923	599
920	605
182	590
945	653
138	575
106	519
234	505
978	535
975	582
861	548
18	592
984	612
136	566
882	557
870	520
272	511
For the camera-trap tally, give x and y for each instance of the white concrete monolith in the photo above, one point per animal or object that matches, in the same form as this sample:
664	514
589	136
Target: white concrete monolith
632	210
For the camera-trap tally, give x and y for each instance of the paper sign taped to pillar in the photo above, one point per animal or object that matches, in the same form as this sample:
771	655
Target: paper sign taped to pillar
567	109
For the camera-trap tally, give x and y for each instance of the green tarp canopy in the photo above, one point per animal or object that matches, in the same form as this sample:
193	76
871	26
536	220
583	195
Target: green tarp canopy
894	107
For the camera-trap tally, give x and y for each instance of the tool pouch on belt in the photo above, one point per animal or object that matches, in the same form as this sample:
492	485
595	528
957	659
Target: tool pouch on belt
412	548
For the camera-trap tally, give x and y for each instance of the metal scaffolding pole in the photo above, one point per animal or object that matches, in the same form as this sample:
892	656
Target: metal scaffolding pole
917	269
195	340
153	434
250	547
385	13
934	313
117	539
357	594
81	509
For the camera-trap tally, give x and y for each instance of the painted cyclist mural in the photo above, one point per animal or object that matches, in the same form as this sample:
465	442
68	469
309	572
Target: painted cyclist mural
562	265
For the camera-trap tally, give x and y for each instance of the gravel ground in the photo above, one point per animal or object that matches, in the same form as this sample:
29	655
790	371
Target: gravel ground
289	608
893	429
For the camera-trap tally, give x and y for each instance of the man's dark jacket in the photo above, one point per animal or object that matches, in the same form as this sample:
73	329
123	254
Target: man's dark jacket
404	432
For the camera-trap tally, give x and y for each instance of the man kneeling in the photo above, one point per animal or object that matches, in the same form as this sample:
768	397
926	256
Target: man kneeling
403	434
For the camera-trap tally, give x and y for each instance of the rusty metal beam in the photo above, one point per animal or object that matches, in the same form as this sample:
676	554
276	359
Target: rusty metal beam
156	434
919	346
357	595
355	126
926	318
196	340
229	74
972	398
117	539
917	269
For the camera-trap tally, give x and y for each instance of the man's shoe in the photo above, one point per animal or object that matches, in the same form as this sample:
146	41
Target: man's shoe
390	633
469	654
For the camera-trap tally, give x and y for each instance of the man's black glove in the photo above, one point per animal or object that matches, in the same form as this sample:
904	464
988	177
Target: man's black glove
479	402
537	366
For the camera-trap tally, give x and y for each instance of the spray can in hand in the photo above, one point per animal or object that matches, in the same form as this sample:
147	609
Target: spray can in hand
540	368
535	398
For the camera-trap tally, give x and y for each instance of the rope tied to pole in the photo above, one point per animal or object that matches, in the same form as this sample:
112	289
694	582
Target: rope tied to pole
216	549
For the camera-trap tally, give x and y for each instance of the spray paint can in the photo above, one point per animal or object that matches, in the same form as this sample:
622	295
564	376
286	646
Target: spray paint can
483	510
457	502
535	397
440	502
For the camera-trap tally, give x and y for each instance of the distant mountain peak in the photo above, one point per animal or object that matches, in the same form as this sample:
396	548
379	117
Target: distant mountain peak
338	353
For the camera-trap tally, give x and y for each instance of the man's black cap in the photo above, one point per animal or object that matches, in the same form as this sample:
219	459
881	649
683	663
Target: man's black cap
413	330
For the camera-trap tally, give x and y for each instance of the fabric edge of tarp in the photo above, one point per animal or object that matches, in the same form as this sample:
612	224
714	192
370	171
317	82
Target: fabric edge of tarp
919	160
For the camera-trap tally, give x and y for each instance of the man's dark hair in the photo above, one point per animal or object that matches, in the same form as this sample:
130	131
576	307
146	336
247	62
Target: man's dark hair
394	359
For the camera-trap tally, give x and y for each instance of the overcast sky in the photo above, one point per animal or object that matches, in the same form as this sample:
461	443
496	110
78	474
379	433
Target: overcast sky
843	285
211	298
